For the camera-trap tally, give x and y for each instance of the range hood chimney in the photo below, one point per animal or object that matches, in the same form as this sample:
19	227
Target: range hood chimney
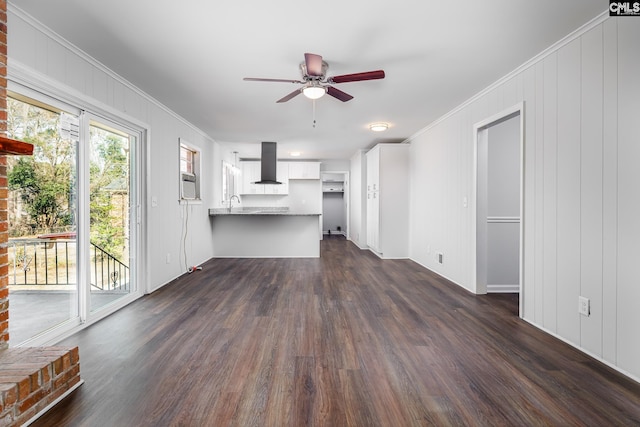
268	163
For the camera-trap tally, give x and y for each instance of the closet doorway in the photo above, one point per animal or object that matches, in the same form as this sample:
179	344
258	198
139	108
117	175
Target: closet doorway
335	203
498	201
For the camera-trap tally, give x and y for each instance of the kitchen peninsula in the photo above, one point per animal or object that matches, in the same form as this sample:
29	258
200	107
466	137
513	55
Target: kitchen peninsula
258	232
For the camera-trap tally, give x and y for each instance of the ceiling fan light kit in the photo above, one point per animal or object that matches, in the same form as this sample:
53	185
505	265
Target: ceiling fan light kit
315	80
314	92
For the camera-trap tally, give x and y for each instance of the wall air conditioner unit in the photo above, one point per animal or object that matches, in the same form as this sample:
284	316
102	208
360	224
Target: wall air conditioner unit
187	186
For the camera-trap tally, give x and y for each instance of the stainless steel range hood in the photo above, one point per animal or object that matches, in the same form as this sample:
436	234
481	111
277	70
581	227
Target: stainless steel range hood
268	163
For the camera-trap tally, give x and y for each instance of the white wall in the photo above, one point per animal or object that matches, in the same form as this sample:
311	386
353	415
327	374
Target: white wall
581	228
305	195
38	56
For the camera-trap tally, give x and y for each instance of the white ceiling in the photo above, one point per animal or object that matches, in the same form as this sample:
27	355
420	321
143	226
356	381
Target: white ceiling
193	54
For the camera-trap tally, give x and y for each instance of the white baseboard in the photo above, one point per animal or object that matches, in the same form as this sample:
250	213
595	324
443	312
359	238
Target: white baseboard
503	289
585	351
334	233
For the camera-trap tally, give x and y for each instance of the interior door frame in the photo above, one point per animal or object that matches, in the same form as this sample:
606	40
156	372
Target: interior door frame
345	198
478	234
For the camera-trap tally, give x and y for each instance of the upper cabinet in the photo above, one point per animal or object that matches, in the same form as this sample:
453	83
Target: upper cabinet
282	175
251	174
250	170
304	170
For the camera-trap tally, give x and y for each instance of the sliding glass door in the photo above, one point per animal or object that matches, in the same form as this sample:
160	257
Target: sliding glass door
111	171
42	212
73	217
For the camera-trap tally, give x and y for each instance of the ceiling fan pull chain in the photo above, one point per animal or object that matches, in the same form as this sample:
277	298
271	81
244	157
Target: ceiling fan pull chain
314	113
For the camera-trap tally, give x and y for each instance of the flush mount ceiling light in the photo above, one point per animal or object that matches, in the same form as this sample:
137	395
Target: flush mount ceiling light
379	127
314	92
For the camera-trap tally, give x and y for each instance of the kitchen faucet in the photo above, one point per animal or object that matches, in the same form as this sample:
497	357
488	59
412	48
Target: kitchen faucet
231	201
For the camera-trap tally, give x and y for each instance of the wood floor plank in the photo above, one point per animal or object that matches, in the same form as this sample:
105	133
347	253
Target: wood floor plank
344	340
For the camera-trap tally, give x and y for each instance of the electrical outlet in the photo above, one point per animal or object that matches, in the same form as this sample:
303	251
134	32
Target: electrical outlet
439	257
584	306
168	259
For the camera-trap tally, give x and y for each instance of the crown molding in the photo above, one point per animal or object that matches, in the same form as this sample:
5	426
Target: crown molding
15	10
548	51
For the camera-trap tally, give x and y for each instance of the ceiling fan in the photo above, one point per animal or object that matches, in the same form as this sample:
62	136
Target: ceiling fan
315	80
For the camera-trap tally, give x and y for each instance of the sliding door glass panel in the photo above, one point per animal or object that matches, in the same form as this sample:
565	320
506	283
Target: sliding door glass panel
111	213
42	213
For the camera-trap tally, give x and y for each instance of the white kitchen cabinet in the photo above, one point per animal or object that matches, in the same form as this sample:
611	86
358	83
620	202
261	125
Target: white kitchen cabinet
251	173
388	200
304	170
282	175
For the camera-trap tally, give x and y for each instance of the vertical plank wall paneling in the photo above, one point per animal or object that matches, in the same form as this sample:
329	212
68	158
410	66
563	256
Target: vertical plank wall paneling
100	86
610	193
538	219
582	152
628	313
530	158
591	187
568	191
71	73
549	203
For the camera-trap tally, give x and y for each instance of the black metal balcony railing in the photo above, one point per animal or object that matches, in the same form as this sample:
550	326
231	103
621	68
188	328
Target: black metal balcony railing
48	262
107	272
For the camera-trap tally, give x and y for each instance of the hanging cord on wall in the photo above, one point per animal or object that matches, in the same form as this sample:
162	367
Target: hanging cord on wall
185	223
185	227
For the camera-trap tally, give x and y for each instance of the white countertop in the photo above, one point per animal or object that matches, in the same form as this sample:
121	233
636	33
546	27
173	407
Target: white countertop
248	211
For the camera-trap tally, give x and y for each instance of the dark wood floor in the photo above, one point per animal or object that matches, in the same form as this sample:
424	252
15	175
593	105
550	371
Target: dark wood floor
345	340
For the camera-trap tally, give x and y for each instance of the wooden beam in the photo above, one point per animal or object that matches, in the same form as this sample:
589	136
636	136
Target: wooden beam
12	146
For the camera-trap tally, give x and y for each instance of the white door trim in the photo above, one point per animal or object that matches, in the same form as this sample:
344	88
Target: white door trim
479	285
346	198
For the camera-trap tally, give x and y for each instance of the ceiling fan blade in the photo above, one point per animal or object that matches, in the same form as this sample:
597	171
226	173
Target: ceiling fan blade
291	95
356	77
314	64
254	79
338	94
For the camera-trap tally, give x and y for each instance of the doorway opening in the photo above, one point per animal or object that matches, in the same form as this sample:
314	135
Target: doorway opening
335	203
499	144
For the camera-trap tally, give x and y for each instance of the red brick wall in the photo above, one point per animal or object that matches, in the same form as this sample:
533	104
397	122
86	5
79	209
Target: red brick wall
4	235
31	378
